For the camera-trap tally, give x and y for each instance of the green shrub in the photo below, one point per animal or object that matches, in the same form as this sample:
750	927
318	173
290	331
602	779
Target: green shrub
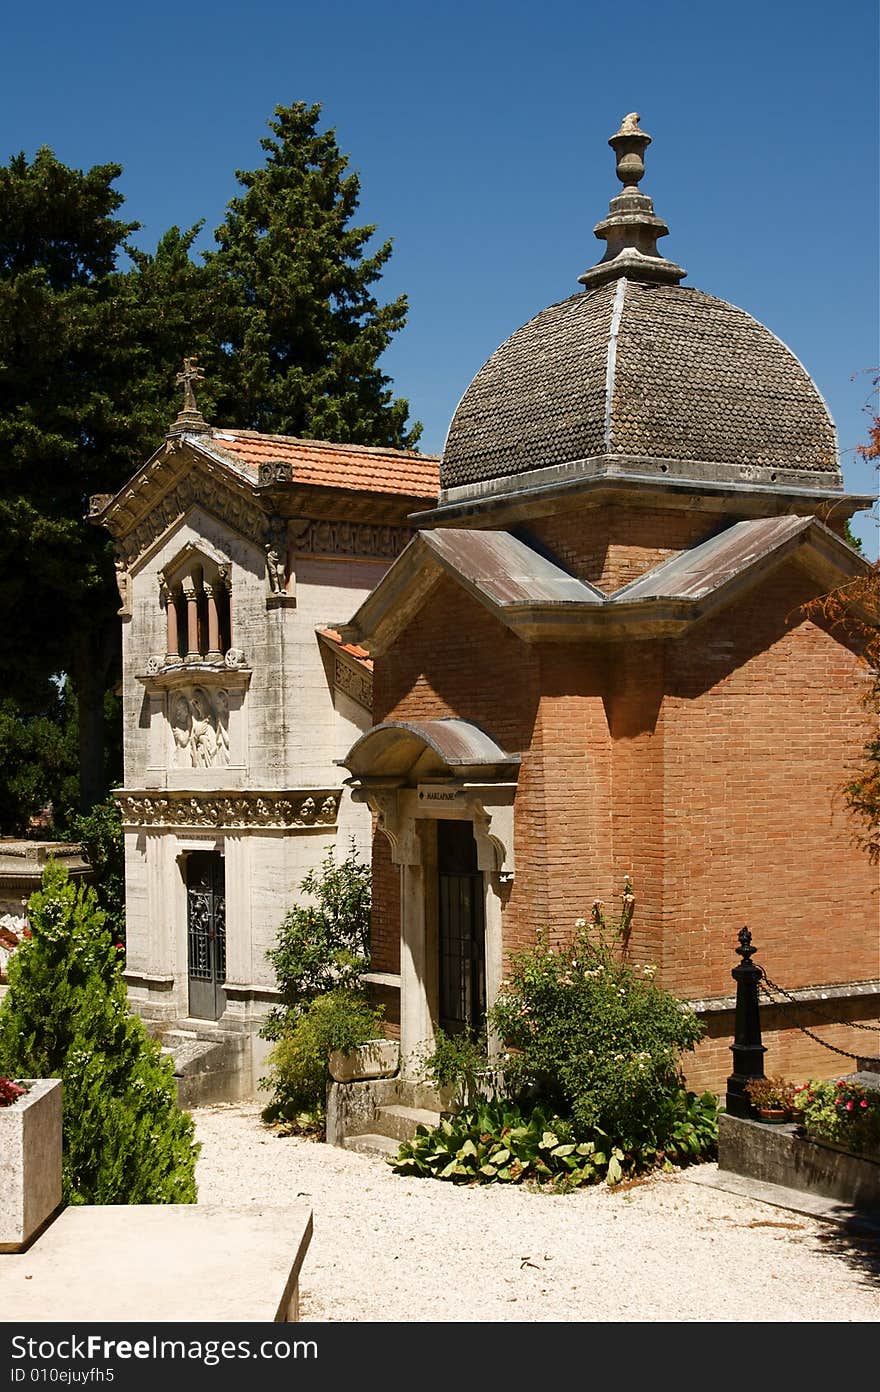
458	1064
65	1015
594	1039
324	945
101	835
499	1142
298	1063
841	1112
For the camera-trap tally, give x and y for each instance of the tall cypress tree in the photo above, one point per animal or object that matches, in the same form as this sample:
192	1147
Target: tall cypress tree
88	352
302	328
282	318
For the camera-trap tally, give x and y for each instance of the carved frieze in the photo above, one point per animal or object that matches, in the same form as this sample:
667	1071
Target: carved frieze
356	684
194	488
199	721
323	538
313	807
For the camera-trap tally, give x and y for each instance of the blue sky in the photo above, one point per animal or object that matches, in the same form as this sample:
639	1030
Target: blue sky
479	131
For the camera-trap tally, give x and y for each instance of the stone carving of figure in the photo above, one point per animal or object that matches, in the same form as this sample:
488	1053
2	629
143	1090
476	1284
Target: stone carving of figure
180	716
274	569
221	706
204	731
123	584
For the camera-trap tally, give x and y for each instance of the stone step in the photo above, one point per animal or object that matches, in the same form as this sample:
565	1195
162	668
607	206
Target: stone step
372	1144
400	1122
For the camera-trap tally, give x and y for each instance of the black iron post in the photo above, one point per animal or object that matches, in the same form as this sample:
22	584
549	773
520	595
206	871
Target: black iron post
748	1051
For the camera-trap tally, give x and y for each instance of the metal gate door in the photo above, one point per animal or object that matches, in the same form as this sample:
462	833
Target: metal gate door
462	930
206	933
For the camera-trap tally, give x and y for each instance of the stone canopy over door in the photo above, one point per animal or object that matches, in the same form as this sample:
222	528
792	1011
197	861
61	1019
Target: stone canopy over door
417	777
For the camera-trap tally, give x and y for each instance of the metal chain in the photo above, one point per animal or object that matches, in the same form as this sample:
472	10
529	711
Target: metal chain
851	1024
803	1029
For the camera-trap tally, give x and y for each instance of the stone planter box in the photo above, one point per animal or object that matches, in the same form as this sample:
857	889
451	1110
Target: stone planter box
30	1146
378	1058
783	1155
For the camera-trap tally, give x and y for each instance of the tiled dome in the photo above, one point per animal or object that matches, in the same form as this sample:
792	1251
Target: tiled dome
650	375
640	376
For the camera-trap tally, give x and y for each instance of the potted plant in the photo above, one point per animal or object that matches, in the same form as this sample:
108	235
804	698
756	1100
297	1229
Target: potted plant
30	1143
772	1098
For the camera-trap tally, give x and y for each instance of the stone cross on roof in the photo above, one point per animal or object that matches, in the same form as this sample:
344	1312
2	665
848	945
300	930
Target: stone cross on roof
190	420
631	230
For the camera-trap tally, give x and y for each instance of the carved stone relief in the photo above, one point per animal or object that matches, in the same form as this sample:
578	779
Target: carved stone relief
357	685
317	807
322	538
200	724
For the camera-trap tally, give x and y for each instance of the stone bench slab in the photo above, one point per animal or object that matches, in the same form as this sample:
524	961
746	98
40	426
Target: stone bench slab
160	1263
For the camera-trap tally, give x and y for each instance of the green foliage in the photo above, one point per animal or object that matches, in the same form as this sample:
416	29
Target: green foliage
500	1142
66	1016
595	1039
38	758
323	945
458	1064
841	1112
775	1093
340	1019
302	330
92	333
102	838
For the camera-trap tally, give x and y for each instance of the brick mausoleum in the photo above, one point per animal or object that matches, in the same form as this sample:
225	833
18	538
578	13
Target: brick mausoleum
592	660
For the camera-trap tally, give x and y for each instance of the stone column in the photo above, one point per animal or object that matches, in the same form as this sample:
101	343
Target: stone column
214	654
192	620
171	650
416	1028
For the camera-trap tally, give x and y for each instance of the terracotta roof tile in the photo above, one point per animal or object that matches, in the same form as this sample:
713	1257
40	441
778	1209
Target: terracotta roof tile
321	463
359	654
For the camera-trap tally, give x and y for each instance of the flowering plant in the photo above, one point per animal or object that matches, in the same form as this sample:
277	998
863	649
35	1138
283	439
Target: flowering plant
773	1094
10	1092
842	1112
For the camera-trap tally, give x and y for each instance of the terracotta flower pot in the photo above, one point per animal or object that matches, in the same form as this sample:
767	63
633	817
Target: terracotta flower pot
775	1114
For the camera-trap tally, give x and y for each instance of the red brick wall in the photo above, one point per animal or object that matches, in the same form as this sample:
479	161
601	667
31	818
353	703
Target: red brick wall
705	766
609	546
456	659
759	725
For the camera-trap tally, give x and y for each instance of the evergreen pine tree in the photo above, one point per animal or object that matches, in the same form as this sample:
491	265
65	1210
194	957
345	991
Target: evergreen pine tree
303	330
66	1016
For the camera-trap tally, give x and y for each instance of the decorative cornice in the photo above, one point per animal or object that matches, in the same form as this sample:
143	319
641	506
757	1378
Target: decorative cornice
301	808
162	493
311	536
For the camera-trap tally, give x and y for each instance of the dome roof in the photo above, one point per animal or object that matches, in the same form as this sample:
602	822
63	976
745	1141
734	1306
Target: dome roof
660	378
639	375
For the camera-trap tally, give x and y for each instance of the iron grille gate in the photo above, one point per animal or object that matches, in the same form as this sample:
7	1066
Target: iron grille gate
206	932
462	930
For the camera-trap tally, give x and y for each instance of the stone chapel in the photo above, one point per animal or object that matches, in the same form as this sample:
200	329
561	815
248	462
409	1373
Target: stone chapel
236	553
591	661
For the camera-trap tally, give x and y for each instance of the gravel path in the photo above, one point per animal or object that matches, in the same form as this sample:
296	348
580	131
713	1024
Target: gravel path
390	1248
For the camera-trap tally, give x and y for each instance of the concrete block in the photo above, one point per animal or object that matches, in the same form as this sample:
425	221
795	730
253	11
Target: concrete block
30	1147
377	1058
782	1155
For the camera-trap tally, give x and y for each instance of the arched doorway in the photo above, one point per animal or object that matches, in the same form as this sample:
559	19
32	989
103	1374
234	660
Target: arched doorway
443	792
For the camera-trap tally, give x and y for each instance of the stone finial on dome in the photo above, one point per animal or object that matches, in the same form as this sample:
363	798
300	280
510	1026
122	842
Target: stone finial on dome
190	420
631	230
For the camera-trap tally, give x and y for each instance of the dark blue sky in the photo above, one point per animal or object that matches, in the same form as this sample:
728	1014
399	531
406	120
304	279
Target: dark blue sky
479	130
